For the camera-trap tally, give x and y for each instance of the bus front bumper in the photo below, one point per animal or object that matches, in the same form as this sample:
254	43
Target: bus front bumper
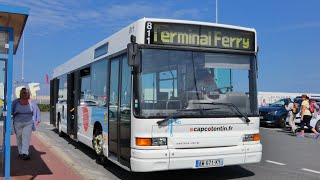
171	159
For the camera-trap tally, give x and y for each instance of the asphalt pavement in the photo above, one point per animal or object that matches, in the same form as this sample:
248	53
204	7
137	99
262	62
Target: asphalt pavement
284	157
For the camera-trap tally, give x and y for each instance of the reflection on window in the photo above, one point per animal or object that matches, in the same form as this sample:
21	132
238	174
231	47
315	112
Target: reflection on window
114	80
85	89
62	94
125	89
99	82
2	79
172	80
149	87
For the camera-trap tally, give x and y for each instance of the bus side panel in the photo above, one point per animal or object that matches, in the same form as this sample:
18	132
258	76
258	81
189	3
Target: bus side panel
87	117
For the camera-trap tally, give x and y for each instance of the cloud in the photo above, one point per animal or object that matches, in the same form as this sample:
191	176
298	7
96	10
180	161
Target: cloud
305	25
60	14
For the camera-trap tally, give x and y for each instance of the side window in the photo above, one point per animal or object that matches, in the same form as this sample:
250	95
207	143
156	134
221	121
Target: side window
125	88
62	88
99	82
114	86
85	95
85	88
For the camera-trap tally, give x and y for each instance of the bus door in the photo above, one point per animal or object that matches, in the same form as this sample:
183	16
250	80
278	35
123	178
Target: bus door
119	110
54	89
72	103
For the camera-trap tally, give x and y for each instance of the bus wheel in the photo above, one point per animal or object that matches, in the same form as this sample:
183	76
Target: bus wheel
61	134
317	127
97	144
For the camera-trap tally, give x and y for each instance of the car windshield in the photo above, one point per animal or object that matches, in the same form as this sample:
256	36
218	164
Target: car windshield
172	80
278	103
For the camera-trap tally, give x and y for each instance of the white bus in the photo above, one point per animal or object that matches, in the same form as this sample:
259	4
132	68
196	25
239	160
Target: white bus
162	95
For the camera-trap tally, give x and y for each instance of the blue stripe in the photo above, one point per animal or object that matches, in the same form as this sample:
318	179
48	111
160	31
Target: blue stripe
197	163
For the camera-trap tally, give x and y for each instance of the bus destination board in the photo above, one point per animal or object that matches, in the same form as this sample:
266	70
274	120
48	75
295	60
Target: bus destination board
198	36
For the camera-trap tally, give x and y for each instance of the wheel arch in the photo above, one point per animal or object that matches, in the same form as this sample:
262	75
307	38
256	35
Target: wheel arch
97	127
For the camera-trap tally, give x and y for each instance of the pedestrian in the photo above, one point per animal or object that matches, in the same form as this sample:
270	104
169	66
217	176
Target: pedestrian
291	116
26	116
316	109
263	104
306	117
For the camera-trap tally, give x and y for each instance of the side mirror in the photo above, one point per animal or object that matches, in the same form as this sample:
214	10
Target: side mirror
133	54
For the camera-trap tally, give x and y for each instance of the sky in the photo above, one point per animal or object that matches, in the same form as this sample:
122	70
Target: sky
288	33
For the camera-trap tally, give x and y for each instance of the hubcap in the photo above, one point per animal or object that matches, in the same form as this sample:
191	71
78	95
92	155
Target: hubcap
98	144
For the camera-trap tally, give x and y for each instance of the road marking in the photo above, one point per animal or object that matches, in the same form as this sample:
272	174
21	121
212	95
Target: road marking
310	170
274	162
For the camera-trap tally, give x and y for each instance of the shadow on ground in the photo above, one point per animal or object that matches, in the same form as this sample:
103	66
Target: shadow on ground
28	169
229	172
287	131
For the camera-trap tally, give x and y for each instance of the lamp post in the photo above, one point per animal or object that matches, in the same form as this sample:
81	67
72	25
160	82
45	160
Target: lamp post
217	11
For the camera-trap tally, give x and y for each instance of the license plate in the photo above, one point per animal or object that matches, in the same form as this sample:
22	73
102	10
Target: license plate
209	163
261	117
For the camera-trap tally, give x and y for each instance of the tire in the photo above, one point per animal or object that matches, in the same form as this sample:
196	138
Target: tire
97	144
60	132
317	127
282	122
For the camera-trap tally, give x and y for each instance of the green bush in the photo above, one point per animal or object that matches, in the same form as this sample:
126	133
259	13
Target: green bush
44	107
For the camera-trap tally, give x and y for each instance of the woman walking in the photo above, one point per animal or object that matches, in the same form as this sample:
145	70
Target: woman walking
306	117
26	116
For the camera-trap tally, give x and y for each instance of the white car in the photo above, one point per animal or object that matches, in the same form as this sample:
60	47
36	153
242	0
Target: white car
315	122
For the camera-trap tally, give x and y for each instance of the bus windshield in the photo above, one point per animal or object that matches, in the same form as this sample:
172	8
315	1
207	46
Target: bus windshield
172	80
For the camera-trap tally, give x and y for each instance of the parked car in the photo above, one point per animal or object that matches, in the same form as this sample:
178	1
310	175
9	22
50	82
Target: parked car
274	114
87	103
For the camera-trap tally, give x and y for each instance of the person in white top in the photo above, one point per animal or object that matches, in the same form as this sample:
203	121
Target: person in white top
317	109
263	104
291	116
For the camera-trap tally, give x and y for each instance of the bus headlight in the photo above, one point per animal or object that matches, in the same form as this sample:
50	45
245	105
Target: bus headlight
160	141
251	137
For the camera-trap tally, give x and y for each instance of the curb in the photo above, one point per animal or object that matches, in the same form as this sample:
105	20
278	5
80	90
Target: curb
62	156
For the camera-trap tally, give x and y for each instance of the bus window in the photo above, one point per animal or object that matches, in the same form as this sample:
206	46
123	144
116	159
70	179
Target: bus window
99	76
173	80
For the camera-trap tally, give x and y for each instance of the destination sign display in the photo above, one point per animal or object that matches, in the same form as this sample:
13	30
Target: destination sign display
199	36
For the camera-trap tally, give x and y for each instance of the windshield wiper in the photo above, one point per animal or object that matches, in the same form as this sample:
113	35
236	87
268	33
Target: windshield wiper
230	105
179	111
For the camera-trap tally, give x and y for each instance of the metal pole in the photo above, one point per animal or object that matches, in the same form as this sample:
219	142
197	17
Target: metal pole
217	11
9	103
22	64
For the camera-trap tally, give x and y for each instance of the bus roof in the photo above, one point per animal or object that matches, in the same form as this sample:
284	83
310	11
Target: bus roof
118	42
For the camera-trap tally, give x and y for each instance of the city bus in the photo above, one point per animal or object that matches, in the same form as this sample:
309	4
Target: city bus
163	94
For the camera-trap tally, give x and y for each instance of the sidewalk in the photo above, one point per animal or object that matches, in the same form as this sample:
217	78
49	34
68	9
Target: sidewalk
44	164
